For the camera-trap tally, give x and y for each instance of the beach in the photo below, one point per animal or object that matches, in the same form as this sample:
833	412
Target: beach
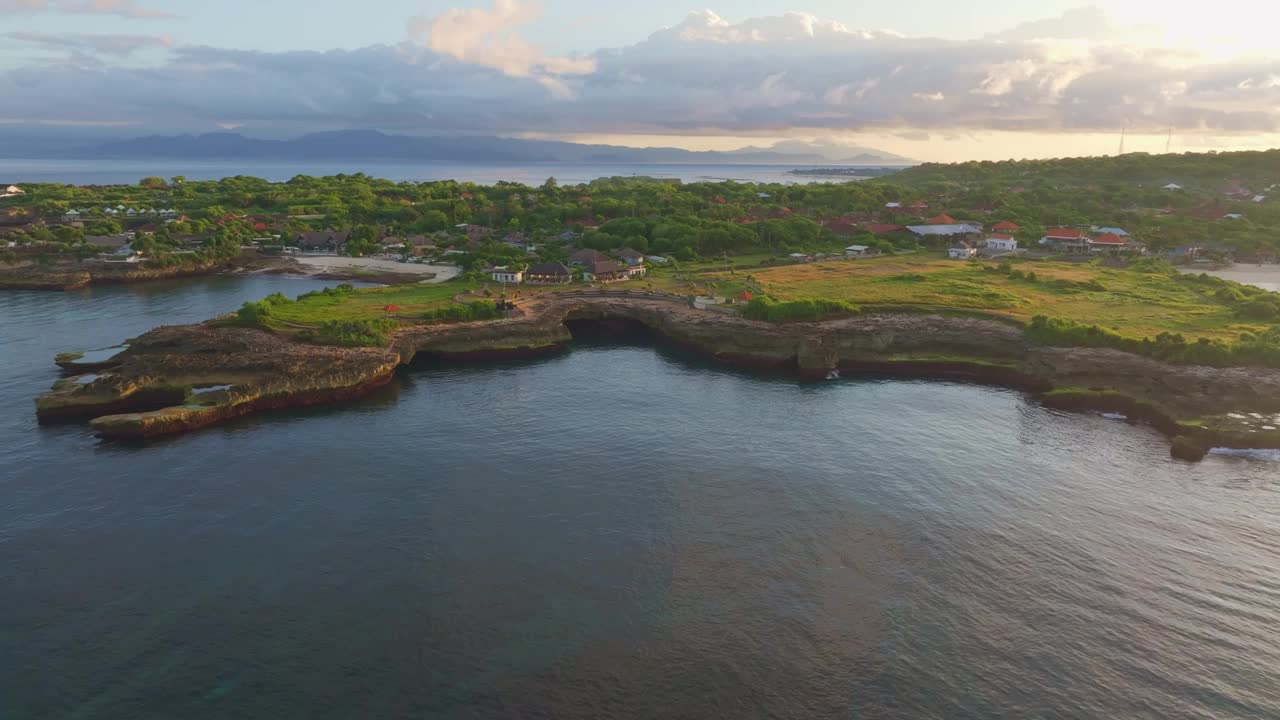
1266	277
322	264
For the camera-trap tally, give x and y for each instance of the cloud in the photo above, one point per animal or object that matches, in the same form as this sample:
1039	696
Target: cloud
118	45
471	71
23	6
121	8
488	38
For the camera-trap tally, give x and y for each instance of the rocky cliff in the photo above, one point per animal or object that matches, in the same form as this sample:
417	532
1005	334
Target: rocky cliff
180	378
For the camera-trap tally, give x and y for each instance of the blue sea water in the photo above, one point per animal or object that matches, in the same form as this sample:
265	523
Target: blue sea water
618	531
113	172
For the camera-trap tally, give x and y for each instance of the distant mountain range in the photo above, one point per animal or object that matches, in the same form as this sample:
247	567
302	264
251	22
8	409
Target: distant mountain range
376	145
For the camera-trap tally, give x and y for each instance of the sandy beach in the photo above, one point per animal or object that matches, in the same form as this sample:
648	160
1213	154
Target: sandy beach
1266	277
332	263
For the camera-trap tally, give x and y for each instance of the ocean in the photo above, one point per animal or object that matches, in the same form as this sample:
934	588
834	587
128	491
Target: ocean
620	530
116	172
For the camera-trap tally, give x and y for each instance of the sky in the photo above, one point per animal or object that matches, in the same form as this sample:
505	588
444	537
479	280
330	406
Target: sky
929	79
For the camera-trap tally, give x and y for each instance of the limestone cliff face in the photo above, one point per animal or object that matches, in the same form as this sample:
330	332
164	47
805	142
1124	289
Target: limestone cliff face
179	378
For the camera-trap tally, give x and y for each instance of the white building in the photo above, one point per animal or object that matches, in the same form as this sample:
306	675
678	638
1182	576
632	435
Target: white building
961	252
856	250
1001	243
503	275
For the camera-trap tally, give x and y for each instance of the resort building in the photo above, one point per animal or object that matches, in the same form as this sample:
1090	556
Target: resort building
548	274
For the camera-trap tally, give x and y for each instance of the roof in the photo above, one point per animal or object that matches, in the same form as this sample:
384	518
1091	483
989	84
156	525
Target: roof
628	253
893	205
956	229
1006	225
943	219
881	228
856	248
999	236
108	241
587	256
1108	239
1113	230
1064	233
604	267
324	237
548	269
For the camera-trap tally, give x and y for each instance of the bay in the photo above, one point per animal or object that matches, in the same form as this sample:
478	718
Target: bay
619	530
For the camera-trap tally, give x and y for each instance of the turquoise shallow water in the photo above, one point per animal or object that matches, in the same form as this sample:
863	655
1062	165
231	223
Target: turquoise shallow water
618	531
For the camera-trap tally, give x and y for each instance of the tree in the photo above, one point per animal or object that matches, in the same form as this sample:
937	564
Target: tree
153	183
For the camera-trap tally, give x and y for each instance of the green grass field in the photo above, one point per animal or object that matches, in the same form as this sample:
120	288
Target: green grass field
1133	303
368	303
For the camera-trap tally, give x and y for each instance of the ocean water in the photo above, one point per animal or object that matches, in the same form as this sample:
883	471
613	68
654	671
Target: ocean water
618	531
113	172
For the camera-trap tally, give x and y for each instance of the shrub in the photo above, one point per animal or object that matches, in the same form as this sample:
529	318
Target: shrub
468	312
763	308
351	333
1261	350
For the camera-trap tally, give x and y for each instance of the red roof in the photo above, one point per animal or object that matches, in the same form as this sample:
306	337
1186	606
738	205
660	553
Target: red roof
999	236
943	219
1006	225
919	204
1108	239
745	295
467	196
881	228
1071	233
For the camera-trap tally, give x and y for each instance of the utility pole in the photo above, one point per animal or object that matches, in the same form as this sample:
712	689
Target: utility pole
1122	131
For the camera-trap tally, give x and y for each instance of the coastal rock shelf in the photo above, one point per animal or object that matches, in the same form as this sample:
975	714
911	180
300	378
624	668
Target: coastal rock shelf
180	378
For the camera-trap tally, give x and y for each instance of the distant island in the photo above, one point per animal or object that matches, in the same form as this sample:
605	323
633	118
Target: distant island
366	145
845	172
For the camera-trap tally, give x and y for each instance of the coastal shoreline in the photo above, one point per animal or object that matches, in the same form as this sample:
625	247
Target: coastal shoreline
263	371
78	275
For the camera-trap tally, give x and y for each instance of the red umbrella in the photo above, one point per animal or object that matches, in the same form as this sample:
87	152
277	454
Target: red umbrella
391	308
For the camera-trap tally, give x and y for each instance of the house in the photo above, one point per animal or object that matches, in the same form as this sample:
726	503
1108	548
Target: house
943	219
548	274
657	259
635	271
1066	239
516	239
475	233
919	205
605	271
586	257
881	228
11	191
841	227
108	242
1259	198
1171	186
961	251
893	206
800	257
1113	230
948	230
1001	242
322	241
1107	242
1004	226
763	195
1233	216
71	216
857	251
505	275
391	242
169	214
629	256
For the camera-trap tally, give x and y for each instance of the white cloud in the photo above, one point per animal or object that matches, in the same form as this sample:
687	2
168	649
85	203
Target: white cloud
120	8
472	71
117	45
488	38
